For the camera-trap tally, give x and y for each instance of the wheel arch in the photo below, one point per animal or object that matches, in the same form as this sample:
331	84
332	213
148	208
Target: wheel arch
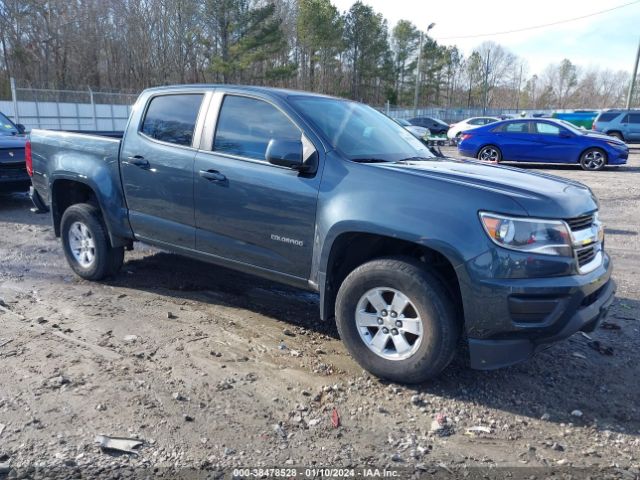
612	131
67	191
594	147
350	249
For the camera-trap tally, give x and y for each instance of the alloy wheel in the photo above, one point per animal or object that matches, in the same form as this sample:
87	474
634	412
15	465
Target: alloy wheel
489	154
388	323
594	160
82	244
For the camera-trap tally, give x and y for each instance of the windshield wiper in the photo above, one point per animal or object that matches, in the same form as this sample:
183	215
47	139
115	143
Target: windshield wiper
370	160
412	159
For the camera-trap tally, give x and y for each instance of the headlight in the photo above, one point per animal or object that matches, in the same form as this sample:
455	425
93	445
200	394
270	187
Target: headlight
531	235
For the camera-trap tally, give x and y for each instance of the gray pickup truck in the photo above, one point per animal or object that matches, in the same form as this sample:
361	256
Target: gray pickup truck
410	253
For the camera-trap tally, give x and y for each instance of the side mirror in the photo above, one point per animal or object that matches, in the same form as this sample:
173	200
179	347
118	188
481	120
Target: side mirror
285	153
21	128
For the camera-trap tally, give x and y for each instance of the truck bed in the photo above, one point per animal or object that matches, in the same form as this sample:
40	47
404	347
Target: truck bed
60	151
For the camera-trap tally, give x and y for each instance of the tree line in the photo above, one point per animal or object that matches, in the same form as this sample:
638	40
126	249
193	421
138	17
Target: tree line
128	45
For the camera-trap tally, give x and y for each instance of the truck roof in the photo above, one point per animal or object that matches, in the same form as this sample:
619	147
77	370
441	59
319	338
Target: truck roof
276	92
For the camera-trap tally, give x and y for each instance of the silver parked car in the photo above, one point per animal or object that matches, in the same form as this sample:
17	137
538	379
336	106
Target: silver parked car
418	132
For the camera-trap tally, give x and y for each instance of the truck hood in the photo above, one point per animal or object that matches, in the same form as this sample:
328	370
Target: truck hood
537	193
12	141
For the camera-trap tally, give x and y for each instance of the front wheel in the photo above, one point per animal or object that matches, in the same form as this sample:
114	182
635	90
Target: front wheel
86	244
490	154
397	320
593	159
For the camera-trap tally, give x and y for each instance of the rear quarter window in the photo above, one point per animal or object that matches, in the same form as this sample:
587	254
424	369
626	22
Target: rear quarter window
515	127
172	118
607	117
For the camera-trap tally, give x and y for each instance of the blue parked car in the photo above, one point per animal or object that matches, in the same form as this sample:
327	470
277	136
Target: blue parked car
542	140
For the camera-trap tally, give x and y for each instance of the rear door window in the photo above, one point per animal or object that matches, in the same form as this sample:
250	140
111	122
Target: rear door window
547	128
514	127
607	117
246	125
172	118
634	118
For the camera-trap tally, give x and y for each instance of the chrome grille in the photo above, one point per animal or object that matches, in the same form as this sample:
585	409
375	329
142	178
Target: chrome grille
11	155
586	236
580	223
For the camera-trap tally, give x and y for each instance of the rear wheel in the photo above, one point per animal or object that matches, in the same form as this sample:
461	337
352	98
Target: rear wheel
490	153
396	319
86	244
593	159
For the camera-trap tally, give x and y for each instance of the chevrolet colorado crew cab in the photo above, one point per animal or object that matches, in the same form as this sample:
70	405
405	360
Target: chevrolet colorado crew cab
410	253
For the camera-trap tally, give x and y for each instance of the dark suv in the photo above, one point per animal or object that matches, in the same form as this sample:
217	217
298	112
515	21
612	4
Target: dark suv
622	124
13	172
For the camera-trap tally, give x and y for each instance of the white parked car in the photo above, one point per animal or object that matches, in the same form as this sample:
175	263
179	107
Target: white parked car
419	132
469	124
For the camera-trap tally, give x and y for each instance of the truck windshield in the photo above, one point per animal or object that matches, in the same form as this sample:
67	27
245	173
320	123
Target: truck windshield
6	127
359	132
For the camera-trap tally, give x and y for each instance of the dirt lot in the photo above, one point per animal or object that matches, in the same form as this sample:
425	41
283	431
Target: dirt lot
214	369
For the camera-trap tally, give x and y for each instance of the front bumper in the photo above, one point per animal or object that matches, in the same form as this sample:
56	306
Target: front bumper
534	313
618	157
14	184
14	177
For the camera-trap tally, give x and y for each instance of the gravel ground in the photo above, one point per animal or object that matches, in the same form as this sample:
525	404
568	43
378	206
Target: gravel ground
212	370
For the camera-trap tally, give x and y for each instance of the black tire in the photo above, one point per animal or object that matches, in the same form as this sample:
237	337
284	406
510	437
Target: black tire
593	159
440	327
617	135
106	260
490	153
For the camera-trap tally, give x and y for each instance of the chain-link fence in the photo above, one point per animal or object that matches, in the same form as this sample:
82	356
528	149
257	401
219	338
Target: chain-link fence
68	109
453	115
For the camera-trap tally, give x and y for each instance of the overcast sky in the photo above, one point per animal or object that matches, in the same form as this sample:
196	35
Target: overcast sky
609	40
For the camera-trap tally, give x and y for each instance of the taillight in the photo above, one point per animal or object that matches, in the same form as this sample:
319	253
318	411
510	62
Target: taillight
465	136
28	158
